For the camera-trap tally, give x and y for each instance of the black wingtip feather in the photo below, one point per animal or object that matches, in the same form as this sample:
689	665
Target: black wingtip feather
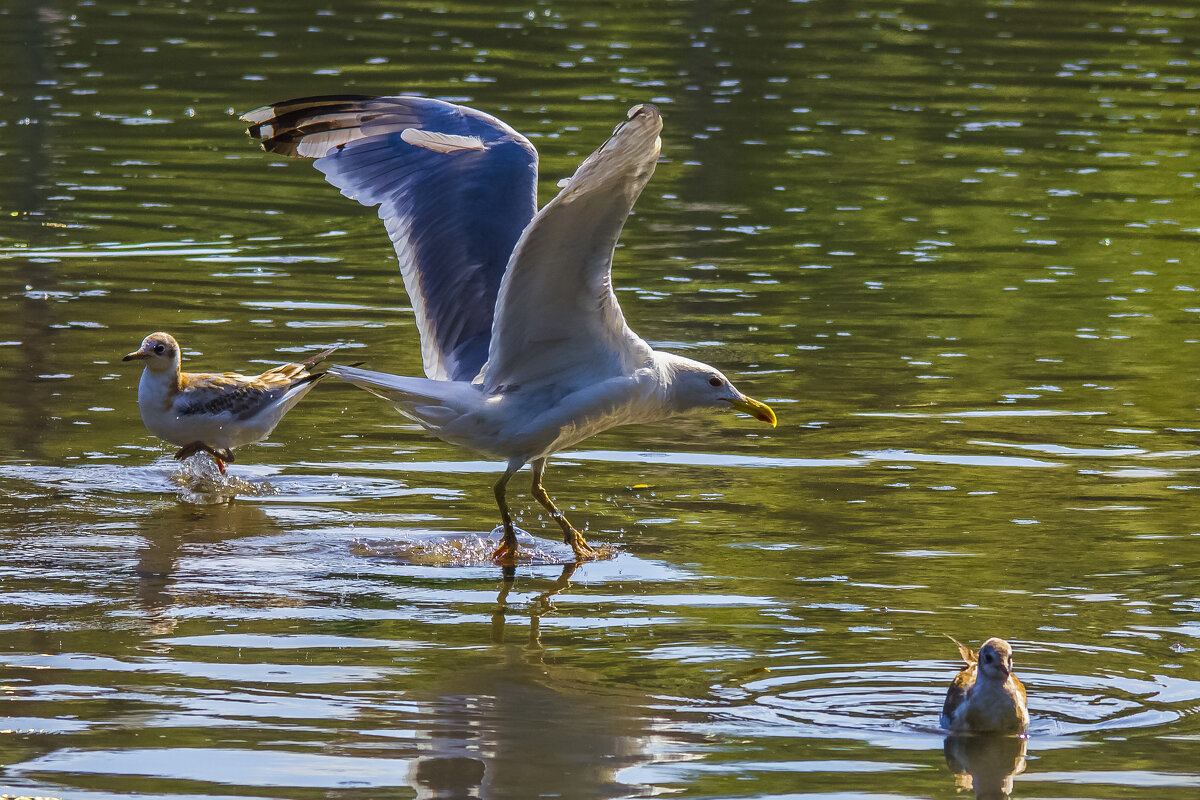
282	126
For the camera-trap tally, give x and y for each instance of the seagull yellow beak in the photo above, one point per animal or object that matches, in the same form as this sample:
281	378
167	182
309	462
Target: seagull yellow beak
760	411
140	354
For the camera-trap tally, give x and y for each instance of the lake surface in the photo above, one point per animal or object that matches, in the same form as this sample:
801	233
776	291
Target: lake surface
953	244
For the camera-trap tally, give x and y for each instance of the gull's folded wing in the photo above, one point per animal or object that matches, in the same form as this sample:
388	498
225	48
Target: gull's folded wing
557	318
455	187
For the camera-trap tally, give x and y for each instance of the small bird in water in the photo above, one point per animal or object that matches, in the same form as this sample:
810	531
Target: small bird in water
986	696
213	413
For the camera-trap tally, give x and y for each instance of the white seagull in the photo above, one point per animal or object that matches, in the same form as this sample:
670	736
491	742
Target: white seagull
214	412
525	349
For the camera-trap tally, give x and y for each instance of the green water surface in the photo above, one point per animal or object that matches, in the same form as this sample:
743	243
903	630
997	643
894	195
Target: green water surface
953	243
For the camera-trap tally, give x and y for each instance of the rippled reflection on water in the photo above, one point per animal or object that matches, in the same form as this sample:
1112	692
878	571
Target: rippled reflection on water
259	610
951	243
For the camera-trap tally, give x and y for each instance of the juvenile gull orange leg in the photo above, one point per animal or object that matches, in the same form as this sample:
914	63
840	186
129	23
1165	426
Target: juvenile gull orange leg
220	456
579	545
189	450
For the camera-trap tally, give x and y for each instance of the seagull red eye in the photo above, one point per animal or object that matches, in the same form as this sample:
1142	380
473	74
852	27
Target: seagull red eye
715	381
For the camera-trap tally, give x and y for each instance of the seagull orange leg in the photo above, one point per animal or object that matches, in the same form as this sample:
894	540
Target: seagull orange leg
506	553
583	551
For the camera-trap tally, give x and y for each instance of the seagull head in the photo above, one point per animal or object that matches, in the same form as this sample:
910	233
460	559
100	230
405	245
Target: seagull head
995	659
160	351
694	384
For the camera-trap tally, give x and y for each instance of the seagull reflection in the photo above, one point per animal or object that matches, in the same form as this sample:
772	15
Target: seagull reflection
521	724
177	529
538	606
985	764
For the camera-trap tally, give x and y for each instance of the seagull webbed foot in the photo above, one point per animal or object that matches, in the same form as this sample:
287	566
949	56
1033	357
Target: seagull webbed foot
506	553
583	551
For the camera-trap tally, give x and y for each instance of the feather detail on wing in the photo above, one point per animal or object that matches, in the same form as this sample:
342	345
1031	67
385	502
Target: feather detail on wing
432	403
957	693
557	314
968	655
243	396
309	127
455	187
211	395
440	142
1018	687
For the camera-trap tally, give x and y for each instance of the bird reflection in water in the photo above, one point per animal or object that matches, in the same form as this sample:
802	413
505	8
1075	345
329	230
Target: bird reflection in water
538	607
985	763
523	723
181	529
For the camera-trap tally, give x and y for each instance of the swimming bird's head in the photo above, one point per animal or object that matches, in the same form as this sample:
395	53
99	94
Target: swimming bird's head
995	659
694	384
160	351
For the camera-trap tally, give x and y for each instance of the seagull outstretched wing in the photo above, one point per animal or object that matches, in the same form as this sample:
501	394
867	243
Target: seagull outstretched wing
455	187
557	319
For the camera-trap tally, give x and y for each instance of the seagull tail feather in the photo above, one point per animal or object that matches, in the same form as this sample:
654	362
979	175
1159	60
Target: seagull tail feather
433	404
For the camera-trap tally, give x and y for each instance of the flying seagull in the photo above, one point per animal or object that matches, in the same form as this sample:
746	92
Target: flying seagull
525	349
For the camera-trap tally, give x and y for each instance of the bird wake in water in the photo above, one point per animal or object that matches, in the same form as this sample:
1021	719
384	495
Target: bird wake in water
449	549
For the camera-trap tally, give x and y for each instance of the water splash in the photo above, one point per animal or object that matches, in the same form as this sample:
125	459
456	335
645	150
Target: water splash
200	481
450	549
